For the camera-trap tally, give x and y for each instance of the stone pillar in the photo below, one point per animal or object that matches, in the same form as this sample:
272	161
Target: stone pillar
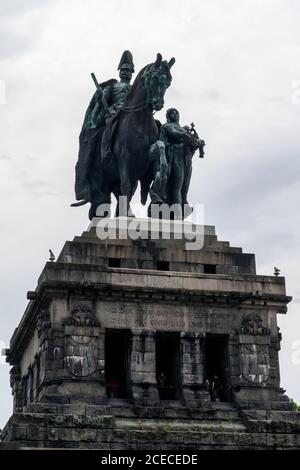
30	385
17	389
192	369
274	358
234	364
102	397
143	368
35	379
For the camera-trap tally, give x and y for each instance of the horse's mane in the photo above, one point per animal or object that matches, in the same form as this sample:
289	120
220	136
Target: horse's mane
136	83
139	76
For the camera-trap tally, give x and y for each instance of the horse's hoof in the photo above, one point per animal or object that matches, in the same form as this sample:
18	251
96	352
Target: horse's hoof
130	213
92	212
187	210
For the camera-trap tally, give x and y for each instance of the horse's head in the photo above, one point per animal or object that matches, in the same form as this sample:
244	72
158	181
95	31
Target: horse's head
157	78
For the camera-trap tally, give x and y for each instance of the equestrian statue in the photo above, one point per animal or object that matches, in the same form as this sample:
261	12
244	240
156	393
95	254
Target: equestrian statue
121	143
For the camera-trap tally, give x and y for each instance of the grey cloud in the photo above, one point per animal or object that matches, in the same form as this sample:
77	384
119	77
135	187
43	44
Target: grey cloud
275	99
15	8
14	43
13	40
265	175
40	188
6	158
211	95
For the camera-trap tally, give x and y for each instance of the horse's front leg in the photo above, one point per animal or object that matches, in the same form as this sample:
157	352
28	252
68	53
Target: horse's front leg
126	189
119	210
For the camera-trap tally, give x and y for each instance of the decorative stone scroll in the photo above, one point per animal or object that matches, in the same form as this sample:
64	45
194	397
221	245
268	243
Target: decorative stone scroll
15	375
253	325
81	315
43	321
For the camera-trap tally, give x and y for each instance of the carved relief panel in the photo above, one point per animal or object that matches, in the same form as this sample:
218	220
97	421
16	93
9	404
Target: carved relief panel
81	342
254	339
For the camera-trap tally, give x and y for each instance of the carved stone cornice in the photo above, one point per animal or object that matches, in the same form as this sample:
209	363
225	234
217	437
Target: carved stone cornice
49	289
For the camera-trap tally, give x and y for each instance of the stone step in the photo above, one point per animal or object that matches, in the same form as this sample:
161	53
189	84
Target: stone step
275	415
222	405
220	411
38	430
167	426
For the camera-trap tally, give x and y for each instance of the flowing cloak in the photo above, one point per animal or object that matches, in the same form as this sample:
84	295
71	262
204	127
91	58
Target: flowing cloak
87	168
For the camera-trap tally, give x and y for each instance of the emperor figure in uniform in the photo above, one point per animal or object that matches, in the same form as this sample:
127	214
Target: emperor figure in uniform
106	101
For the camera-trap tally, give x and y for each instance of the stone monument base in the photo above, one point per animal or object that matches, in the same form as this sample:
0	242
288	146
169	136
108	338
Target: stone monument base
151	344
121	426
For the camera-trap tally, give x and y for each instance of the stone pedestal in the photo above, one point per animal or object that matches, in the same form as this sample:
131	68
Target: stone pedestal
143	372
201	318
192	370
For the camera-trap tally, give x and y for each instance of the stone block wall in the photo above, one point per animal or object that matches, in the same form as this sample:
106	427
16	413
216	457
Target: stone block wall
58	352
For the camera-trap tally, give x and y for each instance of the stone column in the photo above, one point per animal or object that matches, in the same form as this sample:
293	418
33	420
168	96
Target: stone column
36	377
102	397
143	368
192	369
17	389
234	375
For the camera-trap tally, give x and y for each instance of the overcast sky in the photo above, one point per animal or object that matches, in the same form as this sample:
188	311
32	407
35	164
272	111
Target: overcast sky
236	76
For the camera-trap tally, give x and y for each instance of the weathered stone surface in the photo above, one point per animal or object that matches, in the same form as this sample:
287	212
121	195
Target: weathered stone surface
60	351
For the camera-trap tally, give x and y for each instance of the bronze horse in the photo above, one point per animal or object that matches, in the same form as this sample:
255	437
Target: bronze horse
129	148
